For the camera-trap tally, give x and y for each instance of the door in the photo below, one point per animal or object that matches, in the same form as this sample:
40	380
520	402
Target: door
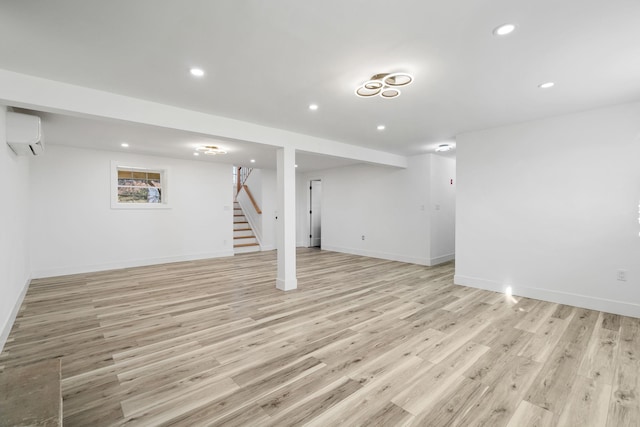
315	219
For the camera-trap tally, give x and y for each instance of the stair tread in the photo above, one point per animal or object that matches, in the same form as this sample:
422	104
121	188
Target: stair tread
242	229
244	237
242	245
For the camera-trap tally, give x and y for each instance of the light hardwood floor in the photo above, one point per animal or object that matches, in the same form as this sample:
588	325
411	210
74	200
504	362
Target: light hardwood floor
361	342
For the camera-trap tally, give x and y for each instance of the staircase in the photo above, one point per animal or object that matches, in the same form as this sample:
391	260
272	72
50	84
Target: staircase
243	238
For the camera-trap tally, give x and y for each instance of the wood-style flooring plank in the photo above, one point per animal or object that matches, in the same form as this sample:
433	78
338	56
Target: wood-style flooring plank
361	342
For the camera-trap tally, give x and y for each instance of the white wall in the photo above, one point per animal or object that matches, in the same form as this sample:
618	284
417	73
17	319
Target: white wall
443	208
269	207
75	230
550	208
14	245
389	206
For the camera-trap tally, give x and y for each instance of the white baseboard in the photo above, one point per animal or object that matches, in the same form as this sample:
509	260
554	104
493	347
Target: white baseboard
442	259
6	328
375	254
64	271
584	301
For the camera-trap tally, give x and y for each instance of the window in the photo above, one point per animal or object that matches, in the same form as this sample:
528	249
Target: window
136	187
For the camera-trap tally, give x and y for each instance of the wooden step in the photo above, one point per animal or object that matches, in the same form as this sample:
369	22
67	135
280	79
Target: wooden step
244	237
244	245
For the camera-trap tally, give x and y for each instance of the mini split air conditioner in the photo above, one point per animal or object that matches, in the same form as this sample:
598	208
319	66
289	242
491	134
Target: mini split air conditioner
24	134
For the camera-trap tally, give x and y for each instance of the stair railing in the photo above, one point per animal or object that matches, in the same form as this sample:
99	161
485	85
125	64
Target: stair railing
243	174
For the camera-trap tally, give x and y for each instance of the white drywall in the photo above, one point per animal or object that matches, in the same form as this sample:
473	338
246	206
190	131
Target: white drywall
14	245
269	207
74	229
389	206
550	208
443	209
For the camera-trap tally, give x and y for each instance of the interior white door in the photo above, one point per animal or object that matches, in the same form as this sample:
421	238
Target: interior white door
315	234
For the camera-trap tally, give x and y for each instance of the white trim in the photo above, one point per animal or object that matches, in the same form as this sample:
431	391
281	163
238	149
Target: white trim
164	177
128	264
375	254
601	304
6	329
268	248
442	259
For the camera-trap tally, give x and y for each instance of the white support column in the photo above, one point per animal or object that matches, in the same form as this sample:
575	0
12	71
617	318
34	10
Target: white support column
286	227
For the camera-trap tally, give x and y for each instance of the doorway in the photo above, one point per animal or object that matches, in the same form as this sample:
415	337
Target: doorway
315	210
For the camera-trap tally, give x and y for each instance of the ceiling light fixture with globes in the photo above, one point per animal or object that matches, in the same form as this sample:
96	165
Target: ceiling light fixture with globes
385	85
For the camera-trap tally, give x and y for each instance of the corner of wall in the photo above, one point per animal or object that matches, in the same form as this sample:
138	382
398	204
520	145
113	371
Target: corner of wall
6	328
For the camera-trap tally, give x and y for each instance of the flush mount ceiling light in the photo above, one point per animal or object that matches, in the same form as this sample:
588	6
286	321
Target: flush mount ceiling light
385	85
124	144
504	29
546	85
381	127
444	147
313	107
211	150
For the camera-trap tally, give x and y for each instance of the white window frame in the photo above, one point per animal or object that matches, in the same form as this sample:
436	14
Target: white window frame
164	179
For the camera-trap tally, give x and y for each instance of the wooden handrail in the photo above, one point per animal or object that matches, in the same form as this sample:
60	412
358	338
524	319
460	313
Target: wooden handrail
253	201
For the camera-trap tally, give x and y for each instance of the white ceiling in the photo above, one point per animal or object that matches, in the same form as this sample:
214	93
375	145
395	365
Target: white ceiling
151	140
266	61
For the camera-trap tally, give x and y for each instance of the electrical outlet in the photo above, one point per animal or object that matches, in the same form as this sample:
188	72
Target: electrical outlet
622	275
363	237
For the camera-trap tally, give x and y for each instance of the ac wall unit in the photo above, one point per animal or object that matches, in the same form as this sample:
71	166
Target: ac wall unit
24	134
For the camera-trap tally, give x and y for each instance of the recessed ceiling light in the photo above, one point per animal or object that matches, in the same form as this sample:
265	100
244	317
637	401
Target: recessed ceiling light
198	72
295	166
196	154
381	127
444	147
313	107
546	85
252	160
504	29
124	144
